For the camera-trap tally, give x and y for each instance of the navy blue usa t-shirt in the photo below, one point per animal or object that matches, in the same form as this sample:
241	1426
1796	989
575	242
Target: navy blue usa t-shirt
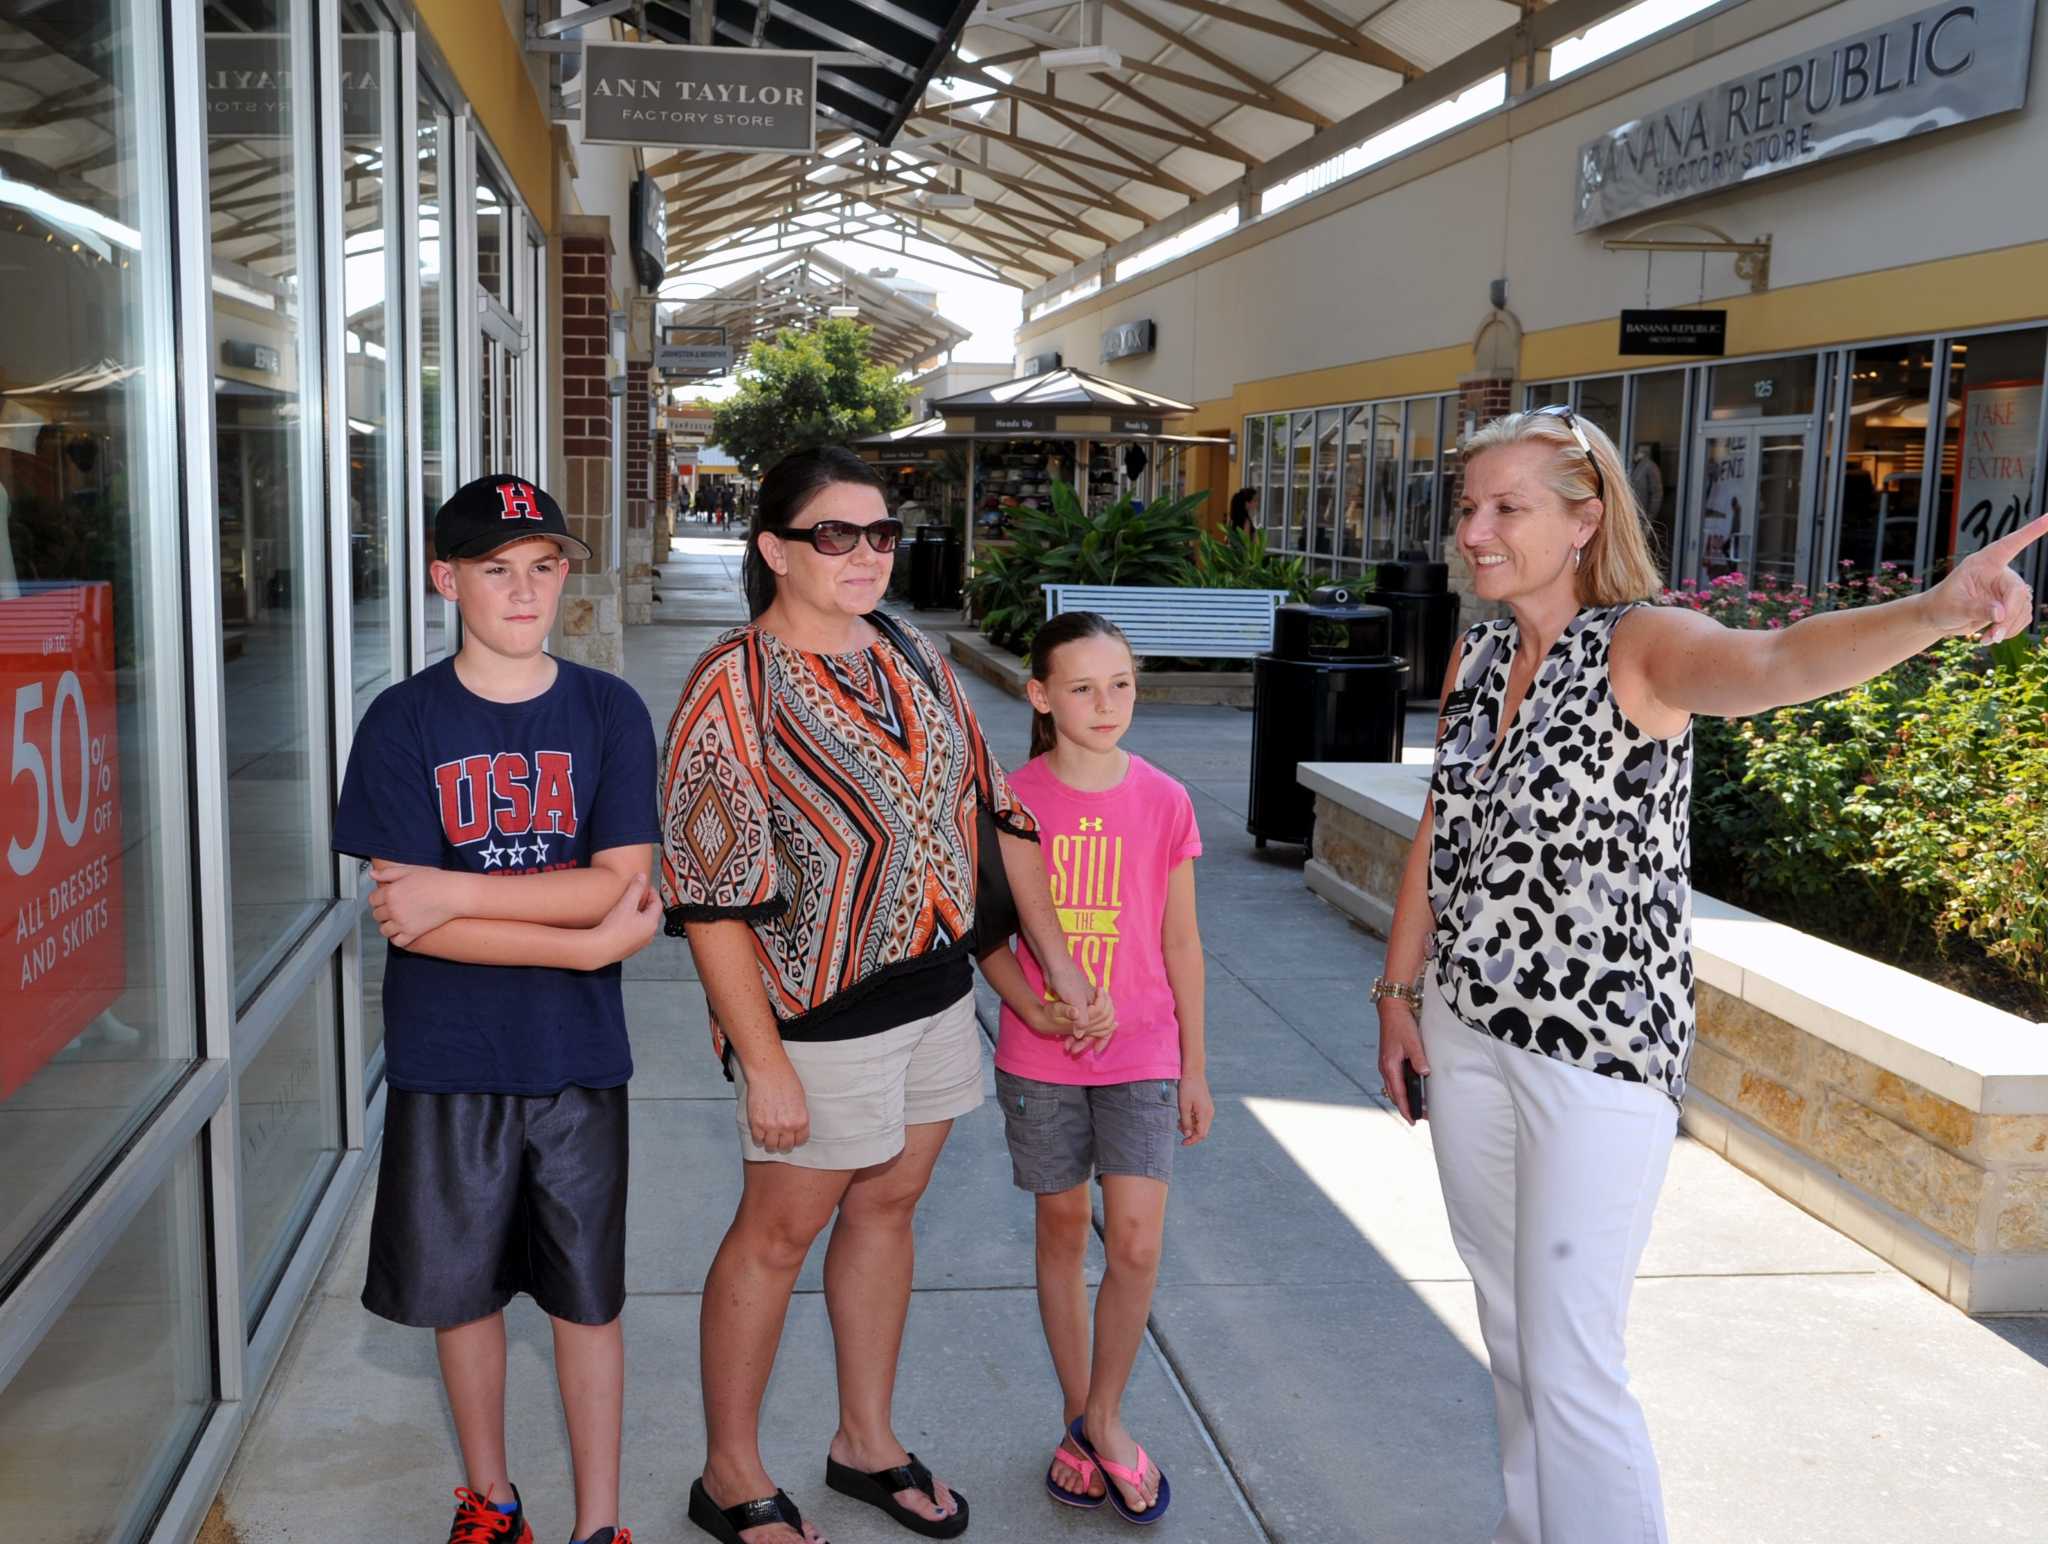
443	778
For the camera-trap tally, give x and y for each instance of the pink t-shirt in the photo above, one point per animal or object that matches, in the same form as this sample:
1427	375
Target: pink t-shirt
1108	855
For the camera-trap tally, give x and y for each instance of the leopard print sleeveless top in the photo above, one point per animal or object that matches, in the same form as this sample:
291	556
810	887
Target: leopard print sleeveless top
1560	861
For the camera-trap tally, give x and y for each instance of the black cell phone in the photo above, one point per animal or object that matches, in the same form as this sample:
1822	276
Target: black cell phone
1412	1085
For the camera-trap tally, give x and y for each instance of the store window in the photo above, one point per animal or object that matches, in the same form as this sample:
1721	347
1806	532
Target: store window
1273	498
1762	388
1885	455
1546	394
1357	475
96	1424
493	228
1386	481
94	1028
267	412
1420	483
370	280
1991	435
290	1126
1252	466
1329	464
1299	465
435	291
1656	451
1600	403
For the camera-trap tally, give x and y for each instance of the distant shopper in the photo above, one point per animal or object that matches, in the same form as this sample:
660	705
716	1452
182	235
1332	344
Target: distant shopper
1646	481
1244	510
1539	965
1119	842
506	801
824	776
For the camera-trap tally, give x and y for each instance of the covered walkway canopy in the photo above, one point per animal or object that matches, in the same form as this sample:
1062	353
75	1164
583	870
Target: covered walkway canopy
1044	143
800	289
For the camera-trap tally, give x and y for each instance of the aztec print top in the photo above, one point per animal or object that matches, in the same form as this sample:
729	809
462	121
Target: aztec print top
1559	868
831	801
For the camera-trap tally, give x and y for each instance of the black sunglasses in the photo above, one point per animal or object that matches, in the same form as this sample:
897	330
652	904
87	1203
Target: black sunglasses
836	538
1571	422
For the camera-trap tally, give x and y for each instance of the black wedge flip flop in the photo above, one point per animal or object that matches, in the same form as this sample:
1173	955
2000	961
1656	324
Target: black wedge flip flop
726	1523
879	1489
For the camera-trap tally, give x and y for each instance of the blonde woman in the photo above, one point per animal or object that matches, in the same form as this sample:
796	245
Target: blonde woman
1539	966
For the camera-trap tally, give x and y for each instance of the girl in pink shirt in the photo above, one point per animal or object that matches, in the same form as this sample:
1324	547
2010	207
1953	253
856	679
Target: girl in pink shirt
1119	841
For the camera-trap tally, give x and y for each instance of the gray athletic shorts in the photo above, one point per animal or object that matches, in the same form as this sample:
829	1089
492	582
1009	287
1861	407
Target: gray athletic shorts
1060	1133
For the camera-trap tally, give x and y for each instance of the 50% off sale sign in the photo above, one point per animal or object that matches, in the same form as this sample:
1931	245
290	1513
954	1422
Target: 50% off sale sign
61	956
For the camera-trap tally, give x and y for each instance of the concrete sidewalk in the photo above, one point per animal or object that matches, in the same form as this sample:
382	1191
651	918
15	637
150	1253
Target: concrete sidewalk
1316	1374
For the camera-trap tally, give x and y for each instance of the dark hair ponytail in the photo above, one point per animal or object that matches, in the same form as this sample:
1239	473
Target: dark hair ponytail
786	491
1068	627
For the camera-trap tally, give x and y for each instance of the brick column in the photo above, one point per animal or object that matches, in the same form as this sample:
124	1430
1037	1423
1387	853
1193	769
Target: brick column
639	531
591	621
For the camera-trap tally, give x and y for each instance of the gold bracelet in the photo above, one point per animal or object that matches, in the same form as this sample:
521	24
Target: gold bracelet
1382	987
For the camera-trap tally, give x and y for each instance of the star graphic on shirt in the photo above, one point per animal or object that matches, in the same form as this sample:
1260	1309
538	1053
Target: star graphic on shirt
540	850
518	851
493	855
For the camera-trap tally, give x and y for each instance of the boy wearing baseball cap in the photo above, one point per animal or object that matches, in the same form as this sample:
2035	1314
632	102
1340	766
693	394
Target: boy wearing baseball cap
505	800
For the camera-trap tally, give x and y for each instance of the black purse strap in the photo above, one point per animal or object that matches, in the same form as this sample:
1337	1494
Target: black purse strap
892	630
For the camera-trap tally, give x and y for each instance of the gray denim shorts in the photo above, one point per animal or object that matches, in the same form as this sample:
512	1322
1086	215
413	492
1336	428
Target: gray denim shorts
1060	1133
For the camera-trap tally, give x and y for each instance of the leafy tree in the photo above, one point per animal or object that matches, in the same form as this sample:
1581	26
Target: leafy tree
808	387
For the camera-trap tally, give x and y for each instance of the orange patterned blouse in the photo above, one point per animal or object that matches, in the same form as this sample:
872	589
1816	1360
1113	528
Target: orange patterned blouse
830	801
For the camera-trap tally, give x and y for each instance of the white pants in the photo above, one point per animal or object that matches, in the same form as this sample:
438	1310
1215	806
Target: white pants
1550	1175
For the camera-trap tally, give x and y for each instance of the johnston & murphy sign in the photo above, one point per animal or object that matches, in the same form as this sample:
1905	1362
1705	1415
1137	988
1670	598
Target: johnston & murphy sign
755	99
1948	65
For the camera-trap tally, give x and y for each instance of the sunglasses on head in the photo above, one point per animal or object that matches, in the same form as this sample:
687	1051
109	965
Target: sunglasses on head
1571	422
836	538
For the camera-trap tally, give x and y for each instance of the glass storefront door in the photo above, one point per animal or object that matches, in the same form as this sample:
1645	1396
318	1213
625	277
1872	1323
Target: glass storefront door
1752	486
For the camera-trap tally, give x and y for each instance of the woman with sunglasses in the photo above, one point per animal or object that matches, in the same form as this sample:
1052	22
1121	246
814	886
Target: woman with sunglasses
1539	964
824	775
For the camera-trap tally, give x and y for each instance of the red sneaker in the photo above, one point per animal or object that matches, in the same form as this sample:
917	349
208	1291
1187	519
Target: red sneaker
478	1522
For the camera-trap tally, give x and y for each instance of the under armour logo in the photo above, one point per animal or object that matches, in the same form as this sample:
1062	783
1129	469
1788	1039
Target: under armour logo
519	501
1091	823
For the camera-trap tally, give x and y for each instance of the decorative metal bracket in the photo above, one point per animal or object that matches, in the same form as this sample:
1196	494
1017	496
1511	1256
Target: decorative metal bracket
1752	258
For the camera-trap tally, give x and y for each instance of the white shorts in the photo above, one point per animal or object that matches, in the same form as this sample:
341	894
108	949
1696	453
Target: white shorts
862	1093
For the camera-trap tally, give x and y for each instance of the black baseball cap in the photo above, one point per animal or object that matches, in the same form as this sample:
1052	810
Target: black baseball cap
496	511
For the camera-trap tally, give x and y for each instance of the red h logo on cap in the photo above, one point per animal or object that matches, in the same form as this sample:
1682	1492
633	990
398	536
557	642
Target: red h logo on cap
519	501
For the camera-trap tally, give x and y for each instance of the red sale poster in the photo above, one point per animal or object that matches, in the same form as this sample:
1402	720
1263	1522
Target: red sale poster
61	962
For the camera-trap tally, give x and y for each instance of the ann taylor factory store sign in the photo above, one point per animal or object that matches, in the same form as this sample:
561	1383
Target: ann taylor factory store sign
1931	70
751	99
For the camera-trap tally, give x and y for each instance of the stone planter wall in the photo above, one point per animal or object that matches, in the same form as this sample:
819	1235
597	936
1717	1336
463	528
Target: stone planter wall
1910	1118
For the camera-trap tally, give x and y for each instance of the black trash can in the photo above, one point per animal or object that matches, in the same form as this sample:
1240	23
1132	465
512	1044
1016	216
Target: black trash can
952	553
1425	609
925	558
906	558
1331	690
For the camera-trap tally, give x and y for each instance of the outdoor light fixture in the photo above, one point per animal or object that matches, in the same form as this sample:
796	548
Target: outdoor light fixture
1096	56
842	311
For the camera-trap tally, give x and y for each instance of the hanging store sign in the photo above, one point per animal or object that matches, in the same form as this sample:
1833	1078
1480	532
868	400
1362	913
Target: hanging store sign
1015	423
750	99
1935	69
1127	339
1145	426
1995	466
693	352
1695	334
249	86
1041	364
62	960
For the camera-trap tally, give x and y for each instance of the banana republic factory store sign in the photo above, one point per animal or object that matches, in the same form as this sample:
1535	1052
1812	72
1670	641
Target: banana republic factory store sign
1931	70
753	99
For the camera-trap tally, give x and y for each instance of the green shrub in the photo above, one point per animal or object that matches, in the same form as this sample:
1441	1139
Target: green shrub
1238	560
1121	544
1907	817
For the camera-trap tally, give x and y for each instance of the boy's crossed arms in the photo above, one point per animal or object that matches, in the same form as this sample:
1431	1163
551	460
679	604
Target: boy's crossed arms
572	918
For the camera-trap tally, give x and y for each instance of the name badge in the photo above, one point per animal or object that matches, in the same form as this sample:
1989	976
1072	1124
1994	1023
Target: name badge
1461	701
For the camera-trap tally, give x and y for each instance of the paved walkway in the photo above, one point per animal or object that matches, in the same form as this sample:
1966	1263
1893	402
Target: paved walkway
1316	1375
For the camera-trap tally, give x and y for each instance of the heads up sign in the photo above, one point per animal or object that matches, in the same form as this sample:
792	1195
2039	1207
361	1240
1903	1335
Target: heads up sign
752	99
1931	70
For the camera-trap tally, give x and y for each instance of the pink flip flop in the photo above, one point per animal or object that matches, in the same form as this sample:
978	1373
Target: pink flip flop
1082	1465
1135	1478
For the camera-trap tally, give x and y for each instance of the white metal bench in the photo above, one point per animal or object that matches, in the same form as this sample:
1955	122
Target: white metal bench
1173	623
